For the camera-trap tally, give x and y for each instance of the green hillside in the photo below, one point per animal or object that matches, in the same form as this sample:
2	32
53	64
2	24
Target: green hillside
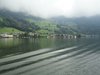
32	24
46	27
9	30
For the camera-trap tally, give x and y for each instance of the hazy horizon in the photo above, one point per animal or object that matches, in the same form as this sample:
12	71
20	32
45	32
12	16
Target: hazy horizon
51	8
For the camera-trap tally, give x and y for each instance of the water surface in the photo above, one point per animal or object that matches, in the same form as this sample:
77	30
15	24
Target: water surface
50	56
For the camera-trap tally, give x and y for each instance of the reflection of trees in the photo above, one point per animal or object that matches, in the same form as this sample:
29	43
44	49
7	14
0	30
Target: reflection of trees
46	43
15	46
8	42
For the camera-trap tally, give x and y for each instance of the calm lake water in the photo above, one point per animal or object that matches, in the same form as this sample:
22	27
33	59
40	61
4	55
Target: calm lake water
49	56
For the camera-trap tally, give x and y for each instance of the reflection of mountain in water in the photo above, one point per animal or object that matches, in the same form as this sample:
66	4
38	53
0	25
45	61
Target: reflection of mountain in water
9	46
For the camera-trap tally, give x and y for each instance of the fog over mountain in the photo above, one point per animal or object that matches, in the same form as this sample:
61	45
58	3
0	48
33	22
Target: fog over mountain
51	8
51	16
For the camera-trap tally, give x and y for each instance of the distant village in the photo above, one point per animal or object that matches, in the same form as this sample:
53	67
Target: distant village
36	35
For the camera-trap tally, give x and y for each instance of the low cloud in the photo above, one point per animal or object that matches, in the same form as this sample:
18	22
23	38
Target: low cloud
50	8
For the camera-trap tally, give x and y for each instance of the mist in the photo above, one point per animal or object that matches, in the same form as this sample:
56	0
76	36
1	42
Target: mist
51	8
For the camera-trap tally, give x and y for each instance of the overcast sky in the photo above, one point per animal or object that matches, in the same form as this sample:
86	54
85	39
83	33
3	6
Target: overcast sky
50	8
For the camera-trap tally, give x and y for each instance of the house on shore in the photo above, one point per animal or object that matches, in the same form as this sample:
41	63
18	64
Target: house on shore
6	36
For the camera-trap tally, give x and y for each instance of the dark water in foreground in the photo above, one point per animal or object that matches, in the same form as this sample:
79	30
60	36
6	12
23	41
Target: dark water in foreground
49	57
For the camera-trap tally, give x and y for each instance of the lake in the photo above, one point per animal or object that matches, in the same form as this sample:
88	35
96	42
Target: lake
43	56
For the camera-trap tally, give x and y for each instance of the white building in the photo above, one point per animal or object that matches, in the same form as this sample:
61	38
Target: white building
6	36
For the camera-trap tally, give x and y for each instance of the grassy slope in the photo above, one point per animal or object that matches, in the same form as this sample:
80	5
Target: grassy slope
46	27
8	30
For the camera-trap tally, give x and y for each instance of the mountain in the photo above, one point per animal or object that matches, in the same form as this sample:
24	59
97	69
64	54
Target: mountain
17	20
18	15
86	25
59	25
28	23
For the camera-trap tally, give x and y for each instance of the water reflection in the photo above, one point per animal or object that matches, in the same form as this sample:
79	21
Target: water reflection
49	56
9	46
